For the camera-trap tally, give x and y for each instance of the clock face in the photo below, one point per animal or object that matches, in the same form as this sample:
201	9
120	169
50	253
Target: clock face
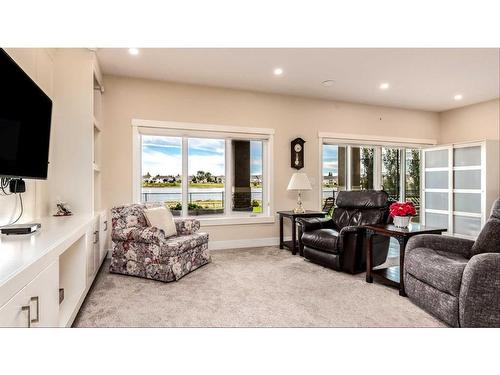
298	148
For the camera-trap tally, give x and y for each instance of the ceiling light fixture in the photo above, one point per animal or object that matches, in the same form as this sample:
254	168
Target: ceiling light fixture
328	83
278	71
458	97
384	86
133	51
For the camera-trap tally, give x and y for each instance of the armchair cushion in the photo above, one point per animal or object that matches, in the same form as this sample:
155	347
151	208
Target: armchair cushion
488	240
321	239
441	270
161	217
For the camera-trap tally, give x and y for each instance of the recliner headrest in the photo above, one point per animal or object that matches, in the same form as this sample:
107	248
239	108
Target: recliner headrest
362	199
495	209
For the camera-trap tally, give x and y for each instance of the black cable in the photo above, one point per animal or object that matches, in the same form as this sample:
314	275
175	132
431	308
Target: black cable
4	184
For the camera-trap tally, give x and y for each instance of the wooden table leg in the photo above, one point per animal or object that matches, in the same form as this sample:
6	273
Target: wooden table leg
402	247
294	236
281	231
369	257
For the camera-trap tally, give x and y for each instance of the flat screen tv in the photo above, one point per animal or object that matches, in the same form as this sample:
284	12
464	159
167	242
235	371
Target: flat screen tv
25	116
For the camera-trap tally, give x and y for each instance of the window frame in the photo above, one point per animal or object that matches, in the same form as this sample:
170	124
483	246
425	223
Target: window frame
376	142
194	130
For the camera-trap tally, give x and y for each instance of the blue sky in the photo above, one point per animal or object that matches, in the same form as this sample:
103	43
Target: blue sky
163	155
330	159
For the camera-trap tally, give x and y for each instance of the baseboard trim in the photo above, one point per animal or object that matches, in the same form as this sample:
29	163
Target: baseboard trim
240	244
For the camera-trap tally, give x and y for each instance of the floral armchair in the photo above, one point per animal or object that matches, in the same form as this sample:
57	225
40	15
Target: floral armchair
139	250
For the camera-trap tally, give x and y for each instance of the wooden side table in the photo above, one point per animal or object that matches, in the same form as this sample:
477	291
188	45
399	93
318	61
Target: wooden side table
393	275
292	245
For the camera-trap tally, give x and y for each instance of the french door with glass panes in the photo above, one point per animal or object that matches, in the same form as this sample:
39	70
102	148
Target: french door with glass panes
453	188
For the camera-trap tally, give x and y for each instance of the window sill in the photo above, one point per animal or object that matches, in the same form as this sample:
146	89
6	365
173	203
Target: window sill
235	220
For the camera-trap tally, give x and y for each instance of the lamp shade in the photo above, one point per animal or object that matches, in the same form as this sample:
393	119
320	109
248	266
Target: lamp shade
299	181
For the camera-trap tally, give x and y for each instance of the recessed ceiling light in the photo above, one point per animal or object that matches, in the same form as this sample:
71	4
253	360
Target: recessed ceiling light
458	97
278	71
133	51
328	83
384	86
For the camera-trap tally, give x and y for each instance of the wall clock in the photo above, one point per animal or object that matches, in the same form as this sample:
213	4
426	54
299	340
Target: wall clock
297	153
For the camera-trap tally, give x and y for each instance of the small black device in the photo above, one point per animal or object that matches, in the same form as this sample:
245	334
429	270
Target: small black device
17	185
297	153
20	228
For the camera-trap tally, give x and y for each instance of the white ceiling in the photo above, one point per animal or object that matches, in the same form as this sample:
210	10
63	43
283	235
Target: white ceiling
425	79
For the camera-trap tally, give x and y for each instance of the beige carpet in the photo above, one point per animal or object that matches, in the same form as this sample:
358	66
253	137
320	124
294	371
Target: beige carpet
258	287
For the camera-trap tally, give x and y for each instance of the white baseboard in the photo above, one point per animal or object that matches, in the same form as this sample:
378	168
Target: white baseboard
240	244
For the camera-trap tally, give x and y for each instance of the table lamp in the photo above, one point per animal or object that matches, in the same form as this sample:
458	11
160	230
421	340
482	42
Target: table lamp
299	182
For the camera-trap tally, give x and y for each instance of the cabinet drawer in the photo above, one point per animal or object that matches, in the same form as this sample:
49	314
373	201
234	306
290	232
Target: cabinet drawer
38	301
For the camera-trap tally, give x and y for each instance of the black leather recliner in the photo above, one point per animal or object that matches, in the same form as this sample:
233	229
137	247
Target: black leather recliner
339	242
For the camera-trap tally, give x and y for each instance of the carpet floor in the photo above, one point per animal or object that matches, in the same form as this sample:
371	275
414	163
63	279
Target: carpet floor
257	287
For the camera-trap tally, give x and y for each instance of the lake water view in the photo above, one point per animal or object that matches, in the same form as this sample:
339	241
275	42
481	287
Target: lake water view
165	194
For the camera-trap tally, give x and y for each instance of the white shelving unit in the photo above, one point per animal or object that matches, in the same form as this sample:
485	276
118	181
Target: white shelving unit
456	190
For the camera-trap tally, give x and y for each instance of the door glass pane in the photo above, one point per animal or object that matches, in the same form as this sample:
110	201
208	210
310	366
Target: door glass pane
334	170
206	170
436	201
436	159
412	180
469	226
247	180
465	202
469	179
436	180
467	156
161	171
391	172
362	168
436	220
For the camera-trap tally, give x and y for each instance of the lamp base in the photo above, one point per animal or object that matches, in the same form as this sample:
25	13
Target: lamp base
299	209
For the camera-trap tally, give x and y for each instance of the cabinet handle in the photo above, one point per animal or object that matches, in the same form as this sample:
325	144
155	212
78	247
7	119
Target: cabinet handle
96	236
37	300
28	309
106	225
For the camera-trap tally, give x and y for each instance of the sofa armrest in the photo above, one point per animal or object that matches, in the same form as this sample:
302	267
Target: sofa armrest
438	242
150	235
480	292
187	226
313	223
351	229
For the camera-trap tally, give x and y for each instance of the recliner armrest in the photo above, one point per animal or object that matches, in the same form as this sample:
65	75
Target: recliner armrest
480	292
352	229
151	235
438	242
314	223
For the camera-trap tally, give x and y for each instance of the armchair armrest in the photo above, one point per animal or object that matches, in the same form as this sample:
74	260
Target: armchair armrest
351	229
313	223
151	235
480	292
187	226
438	242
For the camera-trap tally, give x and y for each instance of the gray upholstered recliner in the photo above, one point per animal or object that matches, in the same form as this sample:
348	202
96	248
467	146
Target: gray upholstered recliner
457	280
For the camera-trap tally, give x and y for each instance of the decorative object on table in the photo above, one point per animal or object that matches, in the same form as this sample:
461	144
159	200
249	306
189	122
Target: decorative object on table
297	153
63	209
299	182
402	213
292	245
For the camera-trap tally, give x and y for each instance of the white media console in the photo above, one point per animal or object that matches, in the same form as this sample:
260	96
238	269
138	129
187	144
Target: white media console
37	270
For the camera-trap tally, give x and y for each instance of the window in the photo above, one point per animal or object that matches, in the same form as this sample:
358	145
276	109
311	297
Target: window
371	167
216	174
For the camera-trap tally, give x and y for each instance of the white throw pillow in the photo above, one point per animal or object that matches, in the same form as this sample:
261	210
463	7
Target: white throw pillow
161	218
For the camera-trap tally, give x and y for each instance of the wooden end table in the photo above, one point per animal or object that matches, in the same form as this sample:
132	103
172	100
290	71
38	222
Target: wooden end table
393	275
292	245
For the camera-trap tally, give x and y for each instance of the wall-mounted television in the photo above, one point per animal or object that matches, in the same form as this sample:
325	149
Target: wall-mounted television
25	117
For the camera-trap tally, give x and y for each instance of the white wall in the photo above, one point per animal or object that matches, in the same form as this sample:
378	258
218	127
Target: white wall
38	63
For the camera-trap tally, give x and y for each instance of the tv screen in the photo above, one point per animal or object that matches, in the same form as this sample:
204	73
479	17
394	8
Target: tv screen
25	115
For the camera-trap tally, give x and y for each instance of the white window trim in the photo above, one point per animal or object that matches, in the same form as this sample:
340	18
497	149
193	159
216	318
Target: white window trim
186	129
377	142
